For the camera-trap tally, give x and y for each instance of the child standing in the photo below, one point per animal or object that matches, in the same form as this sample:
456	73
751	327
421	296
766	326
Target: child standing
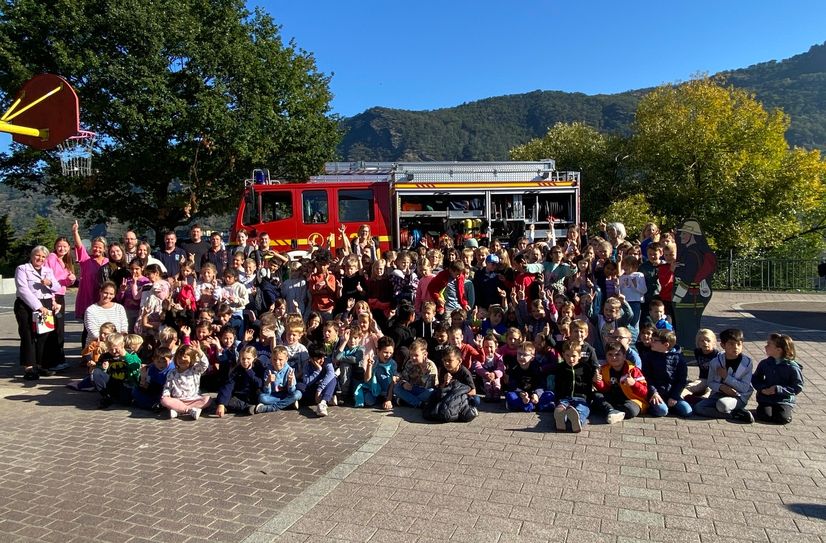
667	374
778	380
729	378
279	390
632	286
573	388
181	393
621	388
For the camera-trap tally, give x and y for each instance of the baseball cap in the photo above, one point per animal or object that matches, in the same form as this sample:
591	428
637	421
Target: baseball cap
492	259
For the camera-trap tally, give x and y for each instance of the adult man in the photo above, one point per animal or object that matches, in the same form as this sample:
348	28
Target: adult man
171	256
215	255
130	245
263	246
196	247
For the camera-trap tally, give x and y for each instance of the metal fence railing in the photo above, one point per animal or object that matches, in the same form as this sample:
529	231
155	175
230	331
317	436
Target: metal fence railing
768	274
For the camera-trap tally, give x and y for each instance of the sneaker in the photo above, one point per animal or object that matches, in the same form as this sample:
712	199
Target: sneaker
195	413
474	412
251	410
43	372
260	408
297	407
173	414
559	419
615	416
334	401
742	415
573	416
105	402
62	367
321	409
31	375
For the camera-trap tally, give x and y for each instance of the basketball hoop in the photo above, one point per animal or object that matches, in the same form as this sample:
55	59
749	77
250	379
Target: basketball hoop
76	154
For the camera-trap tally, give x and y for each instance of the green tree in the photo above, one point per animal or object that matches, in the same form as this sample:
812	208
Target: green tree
579	147
187	96
633	212
712	152
42	232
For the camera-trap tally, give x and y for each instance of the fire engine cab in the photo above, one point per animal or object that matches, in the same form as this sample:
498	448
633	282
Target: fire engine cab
407	204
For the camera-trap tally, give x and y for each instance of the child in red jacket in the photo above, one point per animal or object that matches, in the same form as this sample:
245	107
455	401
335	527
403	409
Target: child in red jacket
622	391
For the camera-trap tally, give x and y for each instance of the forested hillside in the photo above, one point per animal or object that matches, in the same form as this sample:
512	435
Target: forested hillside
487	129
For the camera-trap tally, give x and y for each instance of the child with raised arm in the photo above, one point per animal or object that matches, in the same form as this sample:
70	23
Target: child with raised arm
666	372
419	377
280	389
349	359
380	375
729	378
778	379
181	393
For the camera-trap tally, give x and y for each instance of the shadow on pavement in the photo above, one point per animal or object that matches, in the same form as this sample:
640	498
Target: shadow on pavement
811	510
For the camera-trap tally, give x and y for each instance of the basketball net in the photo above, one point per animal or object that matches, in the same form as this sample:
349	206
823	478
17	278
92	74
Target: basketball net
75	154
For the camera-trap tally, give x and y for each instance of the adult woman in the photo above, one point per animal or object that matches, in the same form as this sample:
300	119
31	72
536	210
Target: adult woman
615	233
60	262
90	264
116	270
364	243
105	310
36	285
145	254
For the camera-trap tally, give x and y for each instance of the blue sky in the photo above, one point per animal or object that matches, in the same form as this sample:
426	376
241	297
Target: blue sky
428	55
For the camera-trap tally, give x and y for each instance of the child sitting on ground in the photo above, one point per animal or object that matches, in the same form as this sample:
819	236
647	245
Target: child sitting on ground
705	350
778	379
621	388
349	360
379	377
239	393
181	393
490	369
117	372
666	372
280	389
318	380
524	389
147	395
573	388
419	377
729	378
455	399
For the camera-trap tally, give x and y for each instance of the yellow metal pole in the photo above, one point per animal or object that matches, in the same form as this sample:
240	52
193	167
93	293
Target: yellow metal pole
10	110
42	133
8	117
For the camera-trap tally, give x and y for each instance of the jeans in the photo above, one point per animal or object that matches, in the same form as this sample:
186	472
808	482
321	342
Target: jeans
279	400
602	406
113	389
309	390
515	403
720	406
581	407
680	409
414	397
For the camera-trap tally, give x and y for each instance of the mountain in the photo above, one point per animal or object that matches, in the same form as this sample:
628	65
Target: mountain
487	129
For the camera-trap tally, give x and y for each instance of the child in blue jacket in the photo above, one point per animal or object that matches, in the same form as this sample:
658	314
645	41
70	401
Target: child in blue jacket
666	371
778	380
318	380
280	389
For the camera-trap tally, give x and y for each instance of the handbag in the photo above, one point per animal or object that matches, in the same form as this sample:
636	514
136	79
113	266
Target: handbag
42	324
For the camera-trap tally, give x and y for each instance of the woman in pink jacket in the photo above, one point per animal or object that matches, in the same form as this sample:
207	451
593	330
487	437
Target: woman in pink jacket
60	261
87	291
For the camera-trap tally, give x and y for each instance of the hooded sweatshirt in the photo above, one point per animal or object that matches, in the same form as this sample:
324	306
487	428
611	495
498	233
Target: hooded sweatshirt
784	374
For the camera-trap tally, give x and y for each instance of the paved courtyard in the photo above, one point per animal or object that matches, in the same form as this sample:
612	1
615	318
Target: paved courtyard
72	473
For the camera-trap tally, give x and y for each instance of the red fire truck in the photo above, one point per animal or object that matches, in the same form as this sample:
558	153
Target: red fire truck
408	203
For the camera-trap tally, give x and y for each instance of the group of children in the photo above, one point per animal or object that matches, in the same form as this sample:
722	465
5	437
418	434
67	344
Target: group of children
570	328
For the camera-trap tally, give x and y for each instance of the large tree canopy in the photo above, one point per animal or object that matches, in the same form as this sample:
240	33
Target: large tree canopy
187	96
700	150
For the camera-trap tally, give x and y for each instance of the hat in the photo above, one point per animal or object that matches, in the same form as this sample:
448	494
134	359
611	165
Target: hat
492	259
692	227
471	243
